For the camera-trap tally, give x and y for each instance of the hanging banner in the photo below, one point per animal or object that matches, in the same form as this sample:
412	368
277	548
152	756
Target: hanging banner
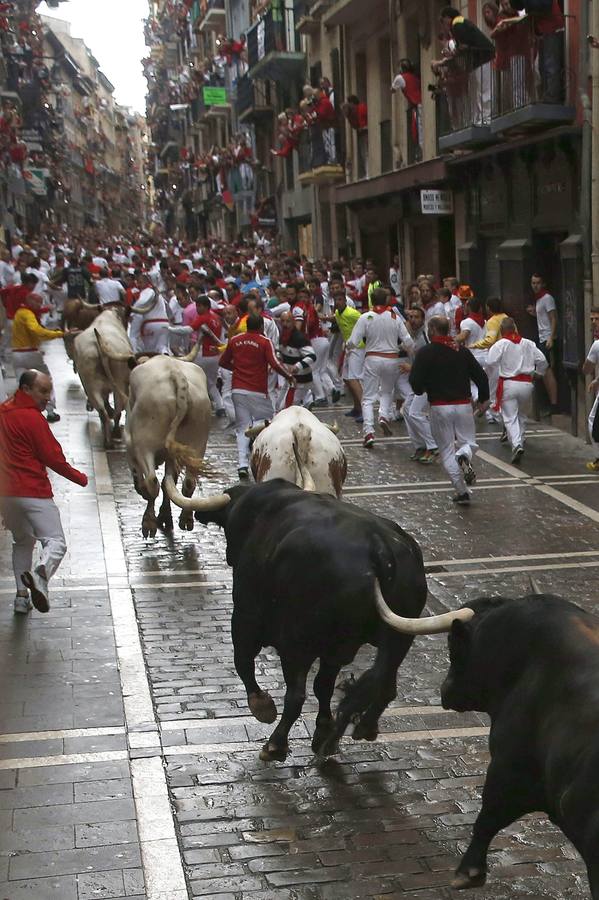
36	179
215	96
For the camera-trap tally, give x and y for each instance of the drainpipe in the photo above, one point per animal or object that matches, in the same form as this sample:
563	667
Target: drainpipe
588	217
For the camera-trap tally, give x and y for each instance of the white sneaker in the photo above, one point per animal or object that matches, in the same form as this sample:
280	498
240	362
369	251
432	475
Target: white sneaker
37	583
23	605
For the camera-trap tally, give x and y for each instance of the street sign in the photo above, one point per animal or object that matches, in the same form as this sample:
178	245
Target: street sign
436	203
215	96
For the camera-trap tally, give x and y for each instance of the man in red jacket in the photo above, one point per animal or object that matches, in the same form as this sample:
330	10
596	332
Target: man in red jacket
249	357
27	449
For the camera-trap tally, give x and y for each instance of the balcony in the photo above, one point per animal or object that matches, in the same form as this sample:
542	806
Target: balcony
350	12
465	103
253	99
530	87
210	103
308	14
274	47
319	155
212	16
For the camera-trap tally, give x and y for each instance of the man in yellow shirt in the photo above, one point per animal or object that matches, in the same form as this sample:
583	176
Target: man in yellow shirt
491	336
27	336
353	363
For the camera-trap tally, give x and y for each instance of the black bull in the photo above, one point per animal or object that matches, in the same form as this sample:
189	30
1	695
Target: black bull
304	571
533	665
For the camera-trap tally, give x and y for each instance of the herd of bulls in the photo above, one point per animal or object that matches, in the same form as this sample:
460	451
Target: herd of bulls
316	578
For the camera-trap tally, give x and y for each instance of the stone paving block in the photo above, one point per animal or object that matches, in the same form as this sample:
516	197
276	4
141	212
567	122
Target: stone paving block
100	885
41	795
34	840
106	834
74	773
106	789
71	862
64	888
95	744
133	879
75	813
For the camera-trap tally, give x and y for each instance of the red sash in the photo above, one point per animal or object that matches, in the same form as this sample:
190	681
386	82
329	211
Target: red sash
500	383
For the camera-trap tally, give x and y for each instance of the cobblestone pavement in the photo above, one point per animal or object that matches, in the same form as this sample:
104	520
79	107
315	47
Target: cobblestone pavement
128	760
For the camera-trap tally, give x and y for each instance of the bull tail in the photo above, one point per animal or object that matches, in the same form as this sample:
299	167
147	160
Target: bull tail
182	455
301	450
105	358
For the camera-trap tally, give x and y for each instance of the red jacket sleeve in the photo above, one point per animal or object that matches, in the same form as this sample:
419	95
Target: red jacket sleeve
273	362
50	453
226	360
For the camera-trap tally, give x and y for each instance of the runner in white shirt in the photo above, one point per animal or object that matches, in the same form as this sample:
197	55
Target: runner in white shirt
7	270
415	408
517	360
591	367
395	277
472	329
451	304
149	330
545	311
382	329
109	290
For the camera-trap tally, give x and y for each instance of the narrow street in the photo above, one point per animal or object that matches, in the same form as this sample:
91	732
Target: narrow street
129	763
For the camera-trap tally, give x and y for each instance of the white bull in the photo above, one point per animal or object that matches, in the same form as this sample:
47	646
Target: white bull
168	421
300	448
101	355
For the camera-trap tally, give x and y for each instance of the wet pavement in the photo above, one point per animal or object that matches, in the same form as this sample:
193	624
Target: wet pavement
128	759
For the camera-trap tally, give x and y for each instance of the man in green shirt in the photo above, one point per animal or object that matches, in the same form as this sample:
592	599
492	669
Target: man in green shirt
353	363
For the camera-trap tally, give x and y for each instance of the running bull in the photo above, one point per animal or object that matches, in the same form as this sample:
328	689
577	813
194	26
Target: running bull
532	664
168	421
306	570
301	449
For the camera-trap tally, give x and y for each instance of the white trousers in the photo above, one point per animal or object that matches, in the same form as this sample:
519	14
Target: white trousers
155	337
226	377
481	357
300	395
249	408
515	406
403	388
210	366
323	383
5	341
381	374
454	432
335	351
592	415
32	359
30	520
415	415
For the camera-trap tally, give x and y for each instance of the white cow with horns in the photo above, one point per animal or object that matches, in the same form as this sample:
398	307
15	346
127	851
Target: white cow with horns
168	421
300	448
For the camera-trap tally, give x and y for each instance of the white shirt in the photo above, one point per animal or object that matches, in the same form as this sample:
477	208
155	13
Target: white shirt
158	311
109	290
7	274
516	359
542	309
453	304
381	332
475	331
593	356
435	309
176	311
394	281
42	281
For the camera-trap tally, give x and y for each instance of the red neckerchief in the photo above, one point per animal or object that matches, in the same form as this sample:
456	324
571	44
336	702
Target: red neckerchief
512	336
446	340
379	310
478	318
538	295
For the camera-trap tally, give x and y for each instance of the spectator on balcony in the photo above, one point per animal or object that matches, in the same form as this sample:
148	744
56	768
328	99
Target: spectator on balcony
291	125
473	50
549	28
356	113
408	82
323	147
325	85
514	55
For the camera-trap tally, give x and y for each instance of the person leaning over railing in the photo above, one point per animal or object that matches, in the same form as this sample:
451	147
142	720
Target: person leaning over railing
472	50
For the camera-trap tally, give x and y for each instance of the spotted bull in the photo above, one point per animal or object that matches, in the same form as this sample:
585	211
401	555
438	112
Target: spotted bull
532	664
301	449
306	572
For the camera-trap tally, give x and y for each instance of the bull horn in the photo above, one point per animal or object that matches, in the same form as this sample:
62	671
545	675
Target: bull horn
254	430
115	357
334	428
95	306
534	585
191	356
146	308
202	504
426	625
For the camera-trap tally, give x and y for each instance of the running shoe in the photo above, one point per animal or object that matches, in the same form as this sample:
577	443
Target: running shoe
351	414
503	438
517	455
466	467
369	440
52	417
37	583
593	466
461	499
23	605
418	452
385	427
336	396
319	404
243	473
428	457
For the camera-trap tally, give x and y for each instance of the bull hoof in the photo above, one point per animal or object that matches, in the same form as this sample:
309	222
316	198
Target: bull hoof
325	741
471	878
273	753
149	528
166	523
262	707
116	432
364	732
186	521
